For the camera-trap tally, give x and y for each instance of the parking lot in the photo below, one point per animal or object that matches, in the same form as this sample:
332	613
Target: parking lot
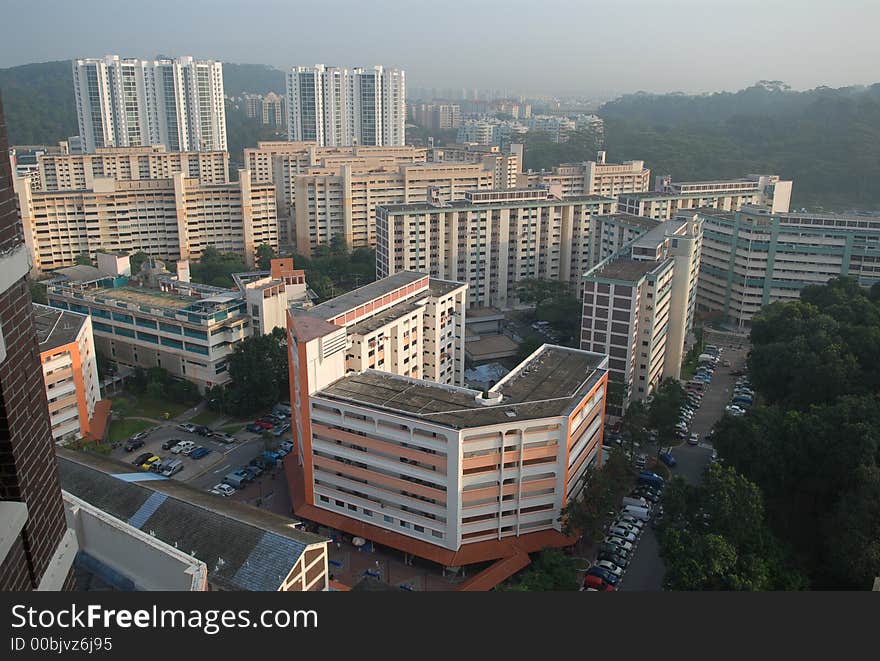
208	471
646	569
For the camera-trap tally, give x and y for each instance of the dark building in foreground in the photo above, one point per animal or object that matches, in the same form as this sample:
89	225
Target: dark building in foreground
36	547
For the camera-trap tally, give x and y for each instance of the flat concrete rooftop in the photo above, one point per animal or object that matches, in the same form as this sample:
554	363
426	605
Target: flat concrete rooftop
348	301
549	384
56	327
630	220
628	270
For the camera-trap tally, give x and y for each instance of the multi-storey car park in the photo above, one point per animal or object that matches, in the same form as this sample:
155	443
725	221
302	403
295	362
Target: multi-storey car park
450	474
165	321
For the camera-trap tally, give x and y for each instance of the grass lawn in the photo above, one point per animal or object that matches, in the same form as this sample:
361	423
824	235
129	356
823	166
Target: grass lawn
129	404
122	429
205	417
233	427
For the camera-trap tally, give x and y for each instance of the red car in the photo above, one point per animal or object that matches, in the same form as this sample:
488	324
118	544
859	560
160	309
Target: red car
264	424
597	583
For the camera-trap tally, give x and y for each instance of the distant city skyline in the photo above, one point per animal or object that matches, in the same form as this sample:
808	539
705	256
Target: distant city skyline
530	47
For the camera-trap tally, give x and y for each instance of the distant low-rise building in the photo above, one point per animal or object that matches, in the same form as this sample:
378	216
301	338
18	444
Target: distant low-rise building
70	371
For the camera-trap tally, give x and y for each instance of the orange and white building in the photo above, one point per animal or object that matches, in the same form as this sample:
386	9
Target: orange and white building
447	473
70	370
592	178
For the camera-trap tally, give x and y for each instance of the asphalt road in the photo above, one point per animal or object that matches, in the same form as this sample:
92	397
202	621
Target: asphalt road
646	571
201	473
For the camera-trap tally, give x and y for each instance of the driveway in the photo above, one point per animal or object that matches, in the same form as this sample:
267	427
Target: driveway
646	570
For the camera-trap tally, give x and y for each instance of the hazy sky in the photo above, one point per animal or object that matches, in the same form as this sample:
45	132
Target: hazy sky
533	46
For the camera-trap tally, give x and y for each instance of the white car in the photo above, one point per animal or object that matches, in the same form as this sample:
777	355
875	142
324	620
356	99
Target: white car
223	437
186	447
223	490
186	426
610	566
623	533
694	439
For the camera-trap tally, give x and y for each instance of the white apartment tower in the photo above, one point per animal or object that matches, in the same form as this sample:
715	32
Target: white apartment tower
135	103
335	106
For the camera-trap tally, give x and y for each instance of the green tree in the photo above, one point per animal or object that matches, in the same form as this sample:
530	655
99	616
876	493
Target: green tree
216	268
136	260
258	369
715	537
551	571
664	410
38	292
634	425
265	255
83	259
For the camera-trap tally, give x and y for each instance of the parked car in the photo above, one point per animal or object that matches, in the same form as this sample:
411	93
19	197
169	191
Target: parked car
597	584
150	462
633	521
223	489
281	429
652	479
287	445
610	566
619	542
201	430
223	437
237	478
617	558
264	424
628	526
184	447
604	574
186	426
200	452
141	458
133	444
668	459
254	471
694	439
624	534
255	428
170	443
141	435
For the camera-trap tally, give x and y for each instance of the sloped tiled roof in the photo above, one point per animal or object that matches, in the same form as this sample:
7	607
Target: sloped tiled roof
243	547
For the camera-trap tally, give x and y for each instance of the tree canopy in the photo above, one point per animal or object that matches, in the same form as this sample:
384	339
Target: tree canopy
551	571
216	268
258	372
333	269
715	537
814	445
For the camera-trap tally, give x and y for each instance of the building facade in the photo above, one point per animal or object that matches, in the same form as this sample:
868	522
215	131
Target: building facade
593	177
336	106
79	171
342	200
452	475
70	370
134	103
767	190
490	239
174	218
753	257
640	301
36	548
409	324
157	319
436	116
507	164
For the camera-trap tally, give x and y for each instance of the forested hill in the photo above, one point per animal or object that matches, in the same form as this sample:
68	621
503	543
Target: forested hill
38	98
826	140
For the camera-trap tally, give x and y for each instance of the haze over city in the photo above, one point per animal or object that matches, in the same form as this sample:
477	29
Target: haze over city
560	47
